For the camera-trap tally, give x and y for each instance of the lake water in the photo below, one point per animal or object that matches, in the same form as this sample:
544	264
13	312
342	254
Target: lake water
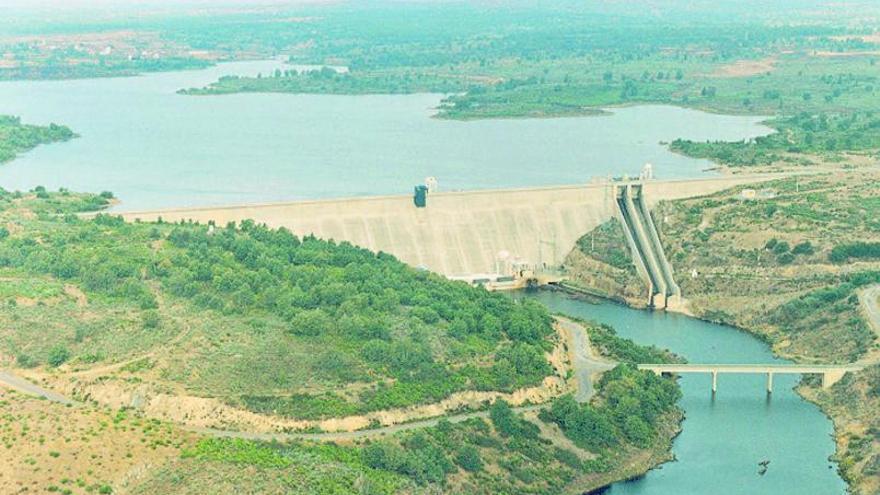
724	438
154	148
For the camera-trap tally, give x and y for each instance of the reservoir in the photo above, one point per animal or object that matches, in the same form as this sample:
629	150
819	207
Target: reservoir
723	439
154	148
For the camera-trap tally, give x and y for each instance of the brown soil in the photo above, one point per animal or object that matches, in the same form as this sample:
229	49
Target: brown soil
745	68
25	302
74	292
48	445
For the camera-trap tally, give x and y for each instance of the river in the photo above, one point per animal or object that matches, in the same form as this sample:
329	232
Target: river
154	148
723	438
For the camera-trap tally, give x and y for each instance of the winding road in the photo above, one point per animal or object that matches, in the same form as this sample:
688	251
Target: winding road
584	361
20	384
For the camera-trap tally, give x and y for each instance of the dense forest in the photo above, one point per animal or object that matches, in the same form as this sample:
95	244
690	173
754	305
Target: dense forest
16	137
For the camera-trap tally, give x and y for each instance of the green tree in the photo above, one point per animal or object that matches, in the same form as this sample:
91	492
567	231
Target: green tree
58	355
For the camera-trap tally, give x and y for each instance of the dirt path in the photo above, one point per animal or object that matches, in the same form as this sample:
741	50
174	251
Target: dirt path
585	364
351	435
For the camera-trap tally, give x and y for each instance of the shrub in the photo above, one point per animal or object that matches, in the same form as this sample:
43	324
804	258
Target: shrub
859	250
25	361
150	319
780	247
311	322
803	248
785	258
469	459
567	457
508	424
58	355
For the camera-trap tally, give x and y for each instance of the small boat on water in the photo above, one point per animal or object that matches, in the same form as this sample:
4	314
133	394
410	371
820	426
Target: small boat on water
762	467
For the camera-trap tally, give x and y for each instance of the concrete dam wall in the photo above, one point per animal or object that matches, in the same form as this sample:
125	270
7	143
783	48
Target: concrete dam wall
458	233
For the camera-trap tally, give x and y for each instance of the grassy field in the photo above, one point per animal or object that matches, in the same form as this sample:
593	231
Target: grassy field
780	247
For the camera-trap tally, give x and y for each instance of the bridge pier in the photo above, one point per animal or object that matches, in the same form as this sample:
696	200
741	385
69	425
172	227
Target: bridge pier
770	382
830	377
714	382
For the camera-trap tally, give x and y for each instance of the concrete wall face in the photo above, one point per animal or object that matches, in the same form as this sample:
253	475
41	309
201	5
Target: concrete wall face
458	233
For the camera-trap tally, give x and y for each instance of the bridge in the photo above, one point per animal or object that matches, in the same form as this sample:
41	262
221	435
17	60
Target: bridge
467	235
831	373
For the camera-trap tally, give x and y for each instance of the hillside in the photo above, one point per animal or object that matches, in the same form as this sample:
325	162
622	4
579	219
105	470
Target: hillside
158	330
567	448
243	319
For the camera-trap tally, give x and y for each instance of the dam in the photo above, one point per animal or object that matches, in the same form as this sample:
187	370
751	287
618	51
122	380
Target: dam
468	235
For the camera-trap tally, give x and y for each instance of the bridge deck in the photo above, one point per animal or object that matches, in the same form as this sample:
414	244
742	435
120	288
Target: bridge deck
831	373
748	368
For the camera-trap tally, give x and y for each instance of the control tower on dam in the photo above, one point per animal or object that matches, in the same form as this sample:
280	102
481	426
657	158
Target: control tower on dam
458	234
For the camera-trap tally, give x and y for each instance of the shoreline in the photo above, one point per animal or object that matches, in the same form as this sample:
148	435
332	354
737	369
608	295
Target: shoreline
798	389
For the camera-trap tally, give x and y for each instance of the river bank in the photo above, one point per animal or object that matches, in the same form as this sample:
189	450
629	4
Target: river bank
725	255
725	435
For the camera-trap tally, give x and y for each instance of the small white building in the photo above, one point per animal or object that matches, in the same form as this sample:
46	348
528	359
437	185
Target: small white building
432	184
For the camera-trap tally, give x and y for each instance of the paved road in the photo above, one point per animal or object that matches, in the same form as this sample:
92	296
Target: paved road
870	299
584	362
24	386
